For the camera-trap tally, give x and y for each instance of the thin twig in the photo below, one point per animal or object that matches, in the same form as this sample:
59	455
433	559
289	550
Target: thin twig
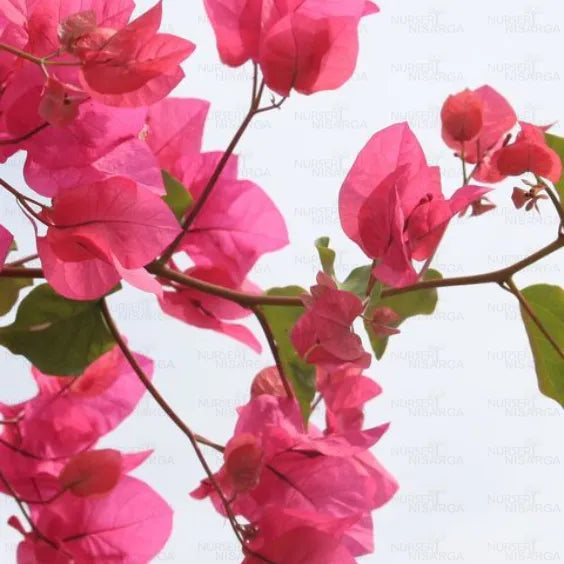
525	305
171	414
28	518
25	137
259	314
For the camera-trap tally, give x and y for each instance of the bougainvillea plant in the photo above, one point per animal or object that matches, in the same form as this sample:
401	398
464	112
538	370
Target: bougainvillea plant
124	194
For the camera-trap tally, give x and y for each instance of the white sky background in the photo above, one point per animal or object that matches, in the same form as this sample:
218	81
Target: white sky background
477	450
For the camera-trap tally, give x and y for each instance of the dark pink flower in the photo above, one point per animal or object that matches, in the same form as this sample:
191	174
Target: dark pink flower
324	335
209	312
101	233
307	46
391	204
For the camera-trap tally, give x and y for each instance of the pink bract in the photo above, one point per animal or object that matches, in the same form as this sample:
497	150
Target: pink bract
99	232
307	46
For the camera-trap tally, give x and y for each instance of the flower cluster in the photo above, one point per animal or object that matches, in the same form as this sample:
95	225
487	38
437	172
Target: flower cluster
126	193
305	493
84	505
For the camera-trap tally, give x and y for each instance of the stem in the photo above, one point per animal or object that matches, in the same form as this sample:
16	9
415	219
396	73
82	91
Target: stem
28	518
525	305
207	442
193	213
246	300
170	413
497	276
250	301
37	60
464	171
20	272
557	204
274	348
24	260
24	137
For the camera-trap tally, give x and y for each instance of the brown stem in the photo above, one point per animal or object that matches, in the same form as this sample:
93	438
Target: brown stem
193	213
525	305
242	298
21	272
250	301
556	202
24	260
497	276
37	60
170	413
211	444
24	137
28	518
274	348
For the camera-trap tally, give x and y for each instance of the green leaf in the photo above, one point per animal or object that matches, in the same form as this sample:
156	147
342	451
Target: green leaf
178	198
548	304
557	144
10	292
326	255
281	321
357	281
60	337
421	302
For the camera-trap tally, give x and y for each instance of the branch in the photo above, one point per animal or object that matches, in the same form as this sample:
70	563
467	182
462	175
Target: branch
173	416
24	137
242	298
206	193
250	301
274	348
28	518
42	61
525	305
497	276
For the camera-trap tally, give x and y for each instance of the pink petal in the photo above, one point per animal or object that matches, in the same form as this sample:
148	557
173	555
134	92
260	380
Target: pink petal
386	151
131	524
6	240
175	130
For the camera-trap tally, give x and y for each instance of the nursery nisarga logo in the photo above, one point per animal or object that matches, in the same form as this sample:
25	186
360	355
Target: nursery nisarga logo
532	20
529	69
523	551
432	22
426	71
522	455
431	550
528	501
432	405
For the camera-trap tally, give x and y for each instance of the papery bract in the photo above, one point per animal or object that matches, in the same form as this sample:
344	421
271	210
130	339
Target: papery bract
98	233
498	118
381	320
92	472
132	158
462	116
175	127
322	477
130	525
529	153
392	204
6	240
243	461
209	312
238	224
307	46
135	66
268	381
68	415
60	103
323	335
